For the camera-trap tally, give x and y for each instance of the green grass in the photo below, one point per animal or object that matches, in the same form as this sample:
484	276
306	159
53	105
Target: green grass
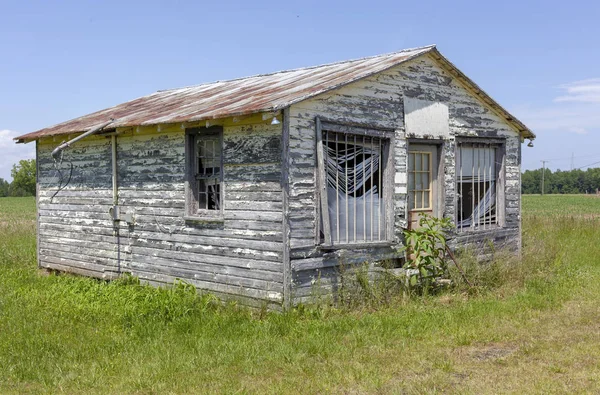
17	209
529	327
578	205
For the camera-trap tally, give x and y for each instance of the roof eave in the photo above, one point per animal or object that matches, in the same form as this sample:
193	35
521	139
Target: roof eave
33	136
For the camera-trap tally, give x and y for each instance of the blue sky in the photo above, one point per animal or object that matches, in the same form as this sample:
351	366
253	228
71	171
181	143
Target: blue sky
63	59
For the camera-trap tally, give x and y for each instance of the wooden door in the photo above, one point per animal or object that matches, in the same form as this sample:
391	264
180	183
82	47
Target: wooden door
422	182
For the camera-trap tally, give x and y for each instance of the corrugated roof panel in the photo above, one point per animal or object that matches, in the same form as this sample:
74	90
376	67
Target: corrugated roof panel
243	96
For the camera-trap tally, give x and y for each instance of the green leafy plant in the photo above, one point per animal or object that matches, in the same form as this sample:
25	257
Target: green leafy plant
426	252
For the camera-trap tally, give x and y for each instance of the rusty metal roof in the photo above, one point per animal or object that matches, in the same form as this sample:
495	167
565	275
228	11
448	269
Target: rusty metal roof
243	96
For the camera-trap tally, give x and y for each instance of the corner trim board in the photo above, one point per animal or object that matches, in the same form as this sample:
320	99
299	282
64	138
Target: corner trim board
285	187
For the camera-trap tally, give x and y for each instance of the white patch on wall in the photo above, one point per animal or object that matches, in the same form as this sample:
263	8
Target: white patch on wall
426	118
400	178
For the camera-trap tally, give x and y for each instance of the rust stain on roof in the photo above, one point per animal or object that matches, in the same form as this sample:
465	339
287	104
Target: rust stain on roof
243	96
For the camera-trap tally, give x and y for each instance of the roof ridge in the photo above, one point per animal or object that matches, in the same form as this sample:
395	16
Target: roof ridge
425	47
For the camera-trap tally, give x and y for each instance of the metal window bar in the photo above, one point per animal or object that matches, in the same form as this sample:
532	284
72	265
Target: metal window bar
372	190
496	166
461	196
484	196
337	187
355	188
380	190
484	151
364	203
472	185
490	163
478	182
354	172
487	186
491	184
327	175
346	174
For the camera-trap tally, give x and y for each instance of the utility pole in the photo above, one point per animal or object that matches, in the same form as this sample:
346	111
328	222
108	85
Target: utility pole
543	172
572	160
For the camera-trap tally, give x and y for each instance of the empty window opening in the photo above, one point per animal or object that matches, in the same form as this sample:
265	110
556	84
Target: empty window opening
477	175
204	156
208	172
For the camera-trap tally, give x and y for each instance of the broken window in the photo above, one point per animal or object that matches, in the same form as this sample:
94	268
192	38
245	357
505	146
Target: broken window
477	172
205	175
354	176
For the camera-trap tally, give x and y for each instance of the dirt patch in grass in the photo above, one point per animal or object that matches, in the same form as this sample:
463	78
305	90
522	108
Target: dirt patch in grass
555	352
490	352
590	216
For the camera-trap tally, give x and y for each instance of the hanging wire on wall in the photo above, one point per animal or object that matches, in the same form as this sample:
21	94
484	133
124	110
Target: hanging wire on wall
61	184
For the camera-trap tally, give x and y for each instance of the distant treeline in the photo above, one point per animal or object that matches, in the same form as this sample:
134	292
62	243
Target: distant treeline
23	183
572	181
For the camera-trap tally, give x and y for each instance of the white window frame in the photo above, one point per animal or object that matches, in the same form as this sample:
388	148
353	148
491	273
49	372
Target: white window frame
324	227
192	209
498	177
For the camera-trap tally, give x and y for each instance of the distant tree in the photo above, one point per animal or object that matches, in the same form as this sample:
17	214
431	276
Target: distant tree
23	174
4	188
569	181
531	181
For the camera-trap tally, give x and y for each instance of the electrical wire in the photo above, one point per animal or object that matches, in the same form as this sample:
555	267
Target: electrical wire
574	157
57	164
591	164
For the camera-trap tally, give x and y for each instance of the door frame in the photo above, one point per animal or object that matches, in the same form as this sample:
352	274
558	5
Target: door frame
439	181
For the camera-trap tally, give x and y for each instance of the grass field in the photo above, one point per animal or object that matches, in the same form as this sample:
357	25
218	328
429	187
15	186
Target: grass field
529	327
571	205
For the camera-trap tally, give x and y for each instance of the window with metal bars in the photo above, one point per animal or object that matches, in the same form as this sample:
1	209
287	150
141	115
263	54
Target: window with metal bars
477	173
353	188
205	171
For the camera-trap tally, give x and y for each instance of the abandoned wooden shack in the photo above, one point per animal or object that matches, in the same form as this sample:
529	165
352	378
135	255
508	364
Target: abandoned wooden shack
254	188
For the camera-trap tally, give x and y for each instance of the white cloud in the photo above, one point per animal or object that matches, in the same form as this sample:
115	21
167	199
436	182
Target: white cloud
575	110
585	91
578	119
577	130
11	153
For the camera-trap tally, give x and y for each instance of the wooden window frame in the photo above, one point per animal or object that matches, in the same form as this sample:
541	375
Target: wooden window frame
431	181
192	211
500	160
438	183
387	137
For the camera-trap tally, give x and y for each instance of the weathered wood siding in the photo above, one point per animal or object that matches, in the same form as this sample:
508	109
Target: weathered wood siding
269	231
379	101
240	256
